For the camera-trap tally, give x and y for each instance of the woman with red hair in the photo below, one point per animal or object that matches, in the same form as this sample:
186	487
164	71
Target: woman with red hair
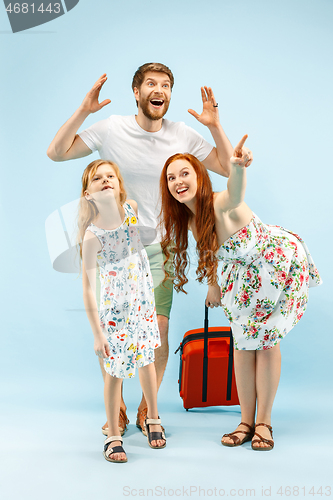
266	275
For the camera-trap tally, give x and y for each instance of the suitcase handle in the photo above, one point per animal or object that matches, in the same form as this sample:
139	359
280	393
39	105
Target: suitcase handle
205	362
205	358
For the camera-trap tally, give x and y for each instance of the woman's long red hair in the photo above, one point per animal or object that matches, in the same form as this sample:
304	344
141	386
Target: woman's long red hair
175	218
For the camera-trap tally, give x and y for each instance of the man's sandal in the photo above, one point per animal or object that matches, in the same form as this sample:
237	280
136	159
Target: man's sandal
117	449
140	420
154	436
261	439
236	441
123	421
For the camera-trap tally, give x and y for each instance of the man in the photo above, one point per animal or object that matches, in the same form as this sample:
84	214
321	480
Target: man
140	144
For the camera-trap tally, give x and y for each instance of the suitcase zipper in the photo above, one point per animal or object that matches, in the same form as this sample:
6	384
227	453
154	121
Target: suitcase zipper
200	336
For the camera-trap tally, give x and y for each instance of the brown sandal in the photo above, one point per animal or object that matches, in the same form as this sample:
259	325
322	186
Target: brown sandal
236	441
140	420
122	424
261	439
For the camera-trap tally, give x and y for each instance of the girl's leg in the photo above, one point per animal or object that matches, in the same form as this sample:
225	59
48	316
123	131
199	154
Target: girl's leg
245	373
147	375
112	396
161	355
122	402
268	369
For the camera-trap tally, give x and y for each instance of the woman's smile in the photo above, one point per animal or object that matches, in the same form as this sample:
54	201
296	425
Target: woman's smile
182	181
181	190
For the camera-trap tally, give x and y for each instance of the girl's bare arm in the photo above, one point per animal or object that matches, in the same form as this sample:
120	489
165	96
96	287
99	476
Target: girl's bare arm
91	246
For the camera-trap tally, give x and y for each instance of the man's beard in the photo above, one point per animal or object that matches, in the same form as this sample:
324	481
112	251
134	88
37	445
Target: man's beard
153	114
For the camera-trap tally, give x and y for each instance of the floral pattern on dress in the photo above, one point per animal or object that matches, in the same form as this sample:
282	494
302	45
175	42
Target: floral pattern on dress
251	284
267	271
127	307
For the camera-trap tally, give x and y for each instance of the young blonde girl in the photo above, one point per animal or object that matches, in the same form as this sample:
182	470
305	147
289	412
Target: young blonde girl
266	275
124	323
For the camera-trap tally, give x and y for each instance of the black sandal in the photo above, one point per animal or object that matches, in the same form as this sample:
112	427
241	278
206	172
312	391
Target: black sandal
117	449
154	436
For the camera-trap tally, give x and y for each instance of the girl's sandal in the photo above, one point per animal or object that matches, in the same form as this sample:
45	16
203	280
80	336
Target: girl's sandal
117	449
236	441
154	436
261	439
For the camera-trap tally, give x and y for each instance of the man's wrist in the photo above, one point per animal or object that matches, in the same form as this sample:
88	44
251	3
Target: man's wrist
83	112
215	127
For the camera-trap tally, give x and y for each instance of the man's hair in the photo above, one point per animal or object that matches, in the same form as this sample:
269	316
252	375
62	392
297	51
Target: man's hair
142	70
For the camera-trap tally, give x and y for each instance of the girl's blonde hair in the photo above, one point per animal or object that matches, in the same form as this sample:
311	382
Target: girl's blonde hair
87	208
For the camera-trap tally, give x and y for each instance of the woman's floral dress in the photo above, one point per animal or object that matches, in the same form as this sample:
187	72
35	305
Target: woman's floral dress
266	275
127	307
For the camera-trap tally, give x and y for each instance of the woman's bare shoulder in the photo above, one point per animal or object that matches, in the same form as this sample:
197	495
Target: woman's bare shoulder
220	201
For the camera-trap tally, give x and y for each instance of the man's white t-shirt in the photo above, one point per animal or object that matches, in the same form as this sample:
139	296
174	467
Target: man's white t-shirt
141	156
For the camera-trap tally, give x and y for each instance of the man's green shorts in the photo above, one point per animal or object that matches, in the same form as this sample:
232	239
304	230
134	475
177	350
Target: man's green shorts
163	292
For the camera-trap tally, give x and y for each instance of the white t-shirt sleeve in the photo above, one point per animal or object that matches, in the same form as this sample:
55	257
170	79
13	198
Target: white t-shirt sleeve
96	135
197	145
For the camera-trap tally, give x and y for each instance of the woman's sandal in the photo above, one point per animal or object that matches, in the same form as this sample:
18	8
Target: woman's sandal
261	439
154	436
117	449
236	441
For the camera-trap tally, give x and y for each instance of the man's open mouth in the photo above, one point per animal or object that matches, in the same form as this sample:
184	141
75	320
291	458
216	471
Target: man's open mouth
157	103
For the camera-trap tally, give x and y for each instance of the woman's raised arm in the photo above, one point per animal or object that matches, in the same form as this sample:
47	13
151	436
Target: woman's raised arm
234	195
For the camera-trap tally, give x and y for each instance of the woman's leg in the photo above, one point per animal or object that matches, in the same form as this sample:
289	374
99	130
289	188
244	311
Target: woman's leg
268	369
147	375
245	373
112	396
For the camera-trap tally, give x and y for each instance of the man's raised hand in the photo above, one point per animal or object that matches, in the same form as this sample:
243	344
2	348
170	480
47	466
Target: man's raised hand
210	114
242	156
90	103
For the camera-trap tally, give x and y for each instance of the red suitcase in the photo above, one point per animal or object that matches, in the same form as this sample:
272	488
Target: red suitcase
206	373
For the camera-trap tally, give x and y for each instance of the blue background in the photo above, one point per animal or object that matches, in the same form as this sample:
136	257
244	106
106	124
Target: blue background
270	66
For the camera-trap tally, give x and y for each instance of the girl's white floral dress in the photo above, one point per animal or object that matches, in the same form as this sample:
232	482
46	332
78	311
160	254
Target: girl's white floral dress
127	306
266	275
